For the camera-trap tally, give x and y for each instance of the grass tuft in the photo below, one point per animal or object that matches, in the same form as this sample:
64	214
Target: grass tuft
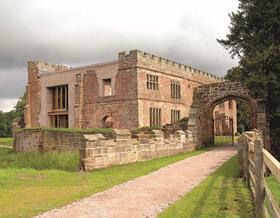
7	142
52	160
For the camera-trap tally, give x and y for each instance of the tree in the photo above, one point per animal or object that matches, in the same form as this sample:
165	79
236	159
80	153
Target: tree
7	118
254	38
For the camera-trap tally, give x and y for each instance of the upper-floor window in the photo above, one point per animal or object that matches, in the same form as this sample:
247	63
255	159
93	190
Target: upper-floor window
107	87
155	117
152	82
78	78
59	97
175	88
77	94
175	115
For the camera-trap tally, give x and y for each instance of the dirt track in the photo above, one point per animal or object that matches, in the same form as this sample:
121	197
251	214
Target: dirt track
148	195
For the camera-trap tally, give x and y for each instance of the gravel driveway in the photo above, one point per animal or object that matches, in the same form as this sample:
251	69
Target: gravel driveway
146	196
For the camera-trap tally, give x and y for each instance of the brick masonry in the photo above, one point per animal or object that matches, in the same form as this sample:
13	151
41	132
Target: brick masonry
128	106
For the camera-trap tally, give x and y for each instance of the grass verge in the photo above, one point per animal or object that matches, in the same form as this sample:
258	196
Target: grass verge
222	194
64	160
274	187
7	141
34	191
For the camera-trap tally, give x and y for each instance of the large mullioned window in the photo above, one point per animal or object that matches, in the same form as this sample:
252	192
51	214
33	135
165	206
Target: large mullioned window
175	115
152	82
155	117
59	112
175	88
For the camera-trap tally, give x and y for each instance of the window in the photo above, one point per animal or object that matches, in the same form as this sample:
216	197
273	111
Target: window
175	88
78	78
77	94
107	87
175	115
155	117
152	82
59	121
59	98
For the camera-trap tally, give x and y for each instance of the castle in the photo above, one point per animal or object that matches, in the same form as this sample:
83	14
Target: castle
138	89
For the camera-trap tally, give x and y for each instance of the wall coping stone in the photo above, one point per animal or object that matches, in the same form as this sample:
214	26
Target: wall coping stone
94	137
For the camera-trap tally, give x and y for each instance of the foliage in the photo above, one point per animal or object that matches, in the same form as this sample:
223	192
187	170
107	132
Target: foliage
255	39
38	191
6	118
243	117
222	194
7	141
57	160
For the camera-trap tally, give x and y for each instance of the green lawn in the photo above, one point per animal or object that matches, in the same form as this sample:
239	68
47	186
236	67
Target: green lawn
7	141
222	194
27	192
220	140
274	187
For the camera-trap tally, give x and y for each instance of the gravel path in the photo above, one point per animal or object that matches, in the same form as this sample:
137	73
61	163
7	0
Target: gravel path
148	195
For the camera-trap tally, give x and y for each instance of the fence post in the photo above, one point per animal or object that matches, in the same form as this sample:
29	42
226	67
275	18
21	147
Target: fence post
259	200
246	162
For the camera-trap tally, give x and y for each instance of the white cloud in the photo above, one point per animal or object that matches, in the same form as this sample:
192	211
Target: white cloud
7	104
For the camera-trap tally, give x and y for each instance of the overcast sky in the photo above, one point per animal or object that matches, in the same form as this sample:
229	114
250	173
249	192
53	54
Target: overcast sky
85	32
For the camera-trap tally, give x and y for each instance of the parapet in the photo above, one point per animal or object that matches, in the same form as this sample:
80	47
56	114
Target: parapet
137	54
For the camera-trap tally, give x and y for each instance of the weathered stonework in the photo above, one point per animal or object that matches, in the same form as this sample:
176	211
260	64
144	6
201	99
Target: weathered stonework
207	97
42	140
130	101
99	152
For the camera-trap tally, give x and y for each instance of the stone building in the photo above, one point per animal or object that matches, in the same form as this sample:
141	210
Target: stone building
138	89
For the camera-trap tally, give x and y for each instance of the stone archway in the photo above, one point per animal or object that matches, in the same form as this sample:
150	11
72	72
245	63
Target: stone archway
206	97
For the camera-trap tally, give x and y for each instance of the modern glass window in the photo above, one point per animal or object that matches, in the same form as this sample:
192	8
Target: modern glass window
59	121
175	89
152	82
59	98
155	117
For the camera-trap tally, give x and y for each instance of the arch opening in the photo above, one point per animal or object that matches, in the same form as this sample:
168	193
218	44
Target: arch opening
207	97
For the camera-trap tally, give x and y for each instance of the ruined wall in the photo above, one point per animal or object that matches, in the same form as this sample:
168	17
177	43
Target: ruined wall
128	106
27	140
121	106
99	152
33	90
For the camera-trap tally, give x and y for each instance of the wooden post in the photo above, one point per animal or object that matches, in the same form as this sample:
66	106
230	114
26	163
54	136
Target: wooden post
259	200
246	162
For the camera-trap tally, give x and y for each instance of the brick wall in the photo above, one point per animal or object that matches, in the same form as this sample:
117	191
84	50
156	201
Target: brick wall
99	152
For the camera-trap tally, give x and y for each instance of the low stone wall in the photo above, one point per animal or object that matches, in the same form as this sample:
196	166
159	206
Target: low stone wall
45	140
99	152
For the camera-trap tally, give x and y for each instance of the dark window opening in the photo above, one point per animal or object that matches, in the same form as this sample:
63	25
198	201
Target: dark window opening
155	117
175	115
152	82
175	89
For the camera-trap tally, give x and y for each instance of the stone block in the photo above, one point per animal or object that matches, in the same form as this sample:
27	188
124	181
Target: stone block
121	134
